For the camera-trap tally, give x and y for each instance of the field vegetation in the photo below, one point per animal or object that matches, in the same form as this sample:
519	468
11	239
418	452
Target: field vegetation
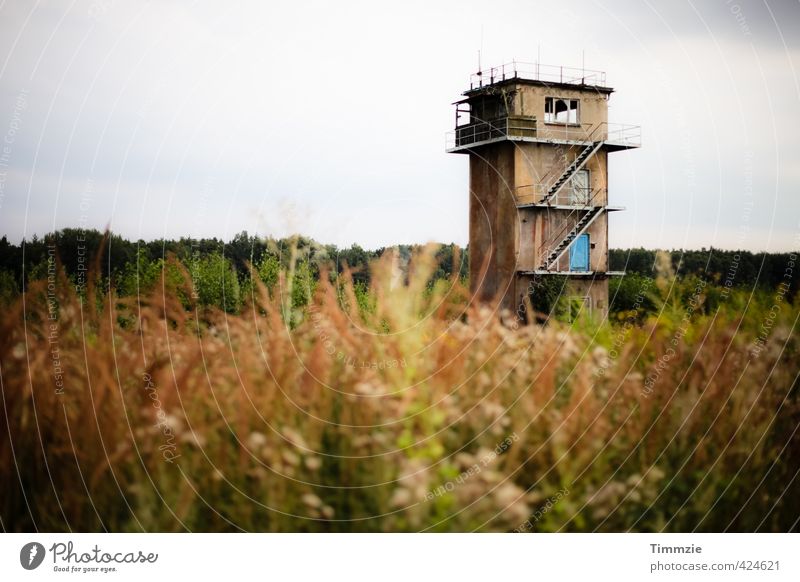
286	390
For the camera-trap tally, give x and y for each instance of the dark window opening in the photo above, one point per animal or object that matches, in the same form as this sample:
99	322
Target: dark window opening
561	110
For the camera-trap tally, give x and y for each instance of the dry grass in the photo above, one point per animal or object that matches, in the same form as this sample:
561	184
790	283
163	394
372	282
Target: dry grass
388	419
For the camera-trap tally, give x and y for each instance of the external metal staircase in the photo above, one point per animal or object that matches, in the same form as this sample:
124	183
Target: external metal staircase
578	164
559	243
588	215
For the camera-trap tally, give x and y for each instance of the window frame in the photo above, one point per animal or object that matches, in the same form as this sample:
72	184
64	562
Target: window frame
568	100
586	191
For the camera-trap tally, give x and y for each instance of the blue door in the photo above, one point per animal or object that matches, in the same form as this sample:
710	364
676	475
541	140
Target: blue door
579	254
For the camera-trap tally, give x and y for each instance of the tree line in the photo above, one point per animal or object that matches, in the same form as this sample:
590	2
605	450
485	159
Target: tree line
223	269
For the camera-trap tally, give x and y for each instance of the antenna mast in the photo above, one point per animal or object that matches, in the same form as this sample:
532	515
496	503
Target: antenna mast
479	52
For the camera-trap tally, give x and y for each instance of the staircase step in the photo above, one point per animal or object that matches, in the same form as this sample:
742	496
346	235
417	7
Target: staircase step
571	236
571	168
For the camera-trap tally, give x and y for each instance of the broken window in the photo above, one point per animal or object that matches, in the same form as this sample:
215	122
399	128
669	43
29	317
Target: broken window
557	110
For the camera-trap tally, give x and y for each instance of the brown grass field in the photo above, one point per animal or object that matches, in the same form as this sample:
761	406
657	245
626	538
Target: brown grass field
419	412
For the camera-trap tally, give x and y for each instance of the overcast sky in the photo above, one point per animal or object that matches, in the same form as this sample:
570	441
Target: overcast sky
169	119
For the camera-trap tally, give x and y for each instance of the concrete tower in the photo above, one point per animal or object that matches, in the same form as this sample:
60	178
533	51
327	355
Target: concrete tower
538	140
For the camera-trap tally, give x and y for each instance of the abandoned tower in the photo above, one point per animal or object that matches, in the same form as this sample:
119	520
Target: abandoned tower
538	140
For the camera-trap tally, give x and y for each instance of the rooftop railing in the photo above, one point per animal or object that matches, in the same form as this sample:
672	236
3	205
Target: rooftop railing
537	72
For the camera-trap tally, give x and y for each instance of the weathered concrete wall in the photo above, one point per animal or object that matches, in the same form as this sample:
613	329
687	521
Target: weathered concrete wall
530	234
595	289
525	287
529	100
493	231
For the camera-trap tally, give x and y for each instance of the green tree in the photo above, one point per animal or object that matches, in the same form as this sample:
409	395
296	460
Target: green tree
215	282
268	270
303	285
140	275
8	287
630	292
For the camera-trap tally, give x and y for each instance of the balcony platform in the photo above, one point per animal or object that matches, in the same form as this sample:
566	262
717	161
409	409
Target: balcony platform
580	274
469	137
569	207
609	145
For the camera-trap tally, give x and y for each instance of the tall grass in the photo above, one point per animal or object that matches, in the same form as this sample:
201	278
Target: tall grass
397	408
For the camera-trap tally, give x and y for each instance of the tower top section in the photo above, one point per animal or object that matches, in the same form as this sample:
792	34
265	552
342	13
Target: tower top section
531	102
539	74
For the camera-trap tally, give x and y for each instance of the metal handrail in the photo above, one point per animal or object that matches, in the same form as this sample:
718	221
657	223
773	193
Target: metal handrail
538	72
553	241
536	193
556	172
504	127
624	134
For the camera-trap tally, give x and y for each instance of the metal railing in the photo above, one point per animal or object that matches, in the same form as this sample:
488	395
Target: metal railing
499	128
570	221
624	134
521	128
530	194
538	72
593	135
